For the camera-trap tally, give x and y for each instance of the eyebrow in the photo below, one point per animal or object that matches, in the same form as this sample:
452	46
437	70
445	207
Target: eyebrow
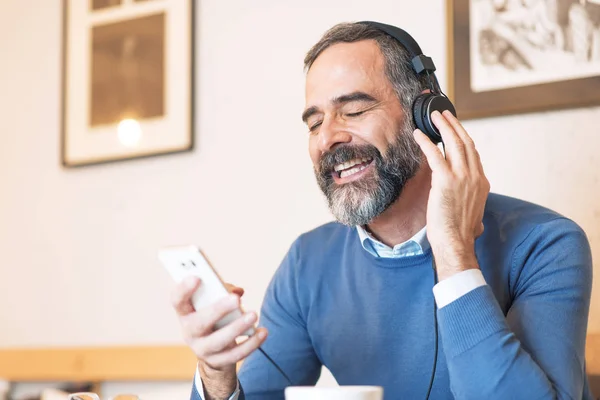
343	99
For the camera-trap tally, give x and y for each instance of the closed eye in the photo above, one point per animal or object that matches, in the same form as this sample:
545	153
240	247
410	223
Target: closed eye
355	114
315	126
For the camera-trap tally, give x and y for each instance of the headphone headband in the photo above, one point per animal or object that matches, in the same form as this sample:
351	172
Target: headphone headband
426	103
420	62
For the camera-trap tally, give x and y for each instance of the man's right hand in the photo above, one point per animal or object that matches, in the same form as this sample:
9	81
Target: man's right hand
217	350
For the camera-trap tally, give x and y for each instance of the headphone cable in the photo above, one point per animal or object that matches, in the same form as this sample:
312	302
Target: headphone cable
435	348
442	147
276	366
435	329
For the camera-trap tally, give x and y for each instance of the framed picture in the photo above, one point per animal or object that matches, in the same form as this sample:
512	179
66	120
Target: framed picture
128	79
517	56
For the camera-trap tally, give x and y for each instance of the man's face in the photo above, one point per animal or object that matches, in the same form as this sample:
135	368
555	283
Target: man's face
361	142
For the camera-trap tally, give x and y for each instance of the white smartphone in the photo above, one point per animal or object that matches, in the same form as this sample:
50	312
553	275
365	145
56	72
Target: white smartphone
183	261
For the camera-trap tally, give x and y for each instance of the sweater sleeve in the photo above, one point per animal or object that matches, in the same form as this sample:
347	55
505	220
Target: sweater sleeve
288	342
536	351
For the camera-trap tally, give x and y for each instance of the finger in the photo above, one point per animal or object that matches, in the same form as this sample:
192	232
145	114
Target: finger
475	159
234	289
202	322
181	296
458	128
434	156
469	145
222	338
239	352
455	148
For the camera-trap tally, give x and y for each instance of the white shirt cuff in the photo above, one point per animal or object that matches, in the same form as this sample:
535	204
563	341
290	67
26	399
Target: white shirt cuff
200	388
451	289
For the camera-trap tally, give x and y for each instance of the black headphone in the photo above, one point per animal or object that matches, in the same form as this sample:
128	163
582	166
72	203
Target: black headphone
426	103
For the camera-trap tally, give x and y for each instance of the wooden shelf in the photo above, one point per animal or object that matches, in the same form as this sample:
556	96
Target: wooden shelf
97	364
144	363
592	354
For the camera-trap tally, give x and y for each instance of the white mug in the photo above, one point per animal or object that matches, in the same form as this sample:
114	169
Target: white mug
334	393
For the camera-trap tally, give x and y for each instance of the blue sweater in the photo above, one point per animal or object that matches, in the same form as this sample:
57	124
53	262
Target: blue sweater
370	320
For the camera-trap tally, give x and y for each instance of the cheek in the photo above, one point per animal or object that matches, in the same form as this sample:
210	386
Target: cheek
376	133
313	150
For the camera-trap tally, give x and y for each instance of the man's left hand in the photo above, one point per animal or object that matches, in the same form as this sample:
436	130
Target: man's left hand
459	190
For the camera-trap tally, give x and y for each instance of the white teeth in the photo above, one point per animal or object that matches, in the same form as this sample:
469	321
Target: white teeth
352	171
350	163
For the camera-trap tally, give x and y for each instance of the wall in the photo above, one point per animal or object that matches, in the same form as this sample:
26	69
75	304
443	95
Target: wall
79	246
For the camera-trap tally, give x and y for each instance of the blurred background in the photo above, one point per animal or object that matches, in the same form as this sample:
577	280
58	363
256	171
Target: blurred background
78	243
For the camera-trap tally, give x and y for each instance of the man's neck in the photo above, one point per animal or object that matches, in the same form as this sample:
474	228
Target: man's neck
407	215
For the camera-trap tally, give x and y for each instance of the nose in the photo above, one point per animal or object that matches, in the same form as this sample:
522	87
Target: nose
332	133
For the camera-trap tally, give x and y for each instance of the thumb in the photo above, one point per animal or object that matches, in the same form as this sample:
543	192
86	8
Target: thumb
234	289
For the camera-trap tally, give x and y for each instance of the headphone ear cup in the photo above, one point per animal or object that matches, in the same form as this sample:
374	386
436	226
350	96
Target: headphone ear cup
418	113
422	120
423	107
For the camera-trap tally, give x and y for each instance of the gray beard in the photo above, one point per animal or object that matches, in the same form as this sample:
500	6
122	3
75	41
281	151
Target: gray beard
359	202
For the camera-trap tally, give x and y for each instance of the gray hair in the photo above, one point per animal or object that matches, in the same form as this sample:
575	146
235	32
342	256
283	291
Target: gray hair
398	69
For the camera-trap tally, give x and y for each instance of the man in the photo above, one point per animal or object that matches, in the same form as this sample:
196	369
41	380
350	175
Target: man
359	295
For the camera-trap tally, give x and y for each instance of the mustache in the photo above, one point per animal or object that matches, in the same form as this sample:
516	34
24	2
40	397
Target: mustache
346	153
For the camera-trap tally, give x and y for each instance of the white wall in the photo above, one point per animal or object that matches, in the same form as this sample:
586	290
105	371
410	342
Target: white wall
78	247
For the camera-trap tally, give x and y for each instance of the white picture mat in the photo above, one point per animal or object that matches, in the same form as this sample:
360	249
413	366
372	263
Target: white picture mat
550	66
85	144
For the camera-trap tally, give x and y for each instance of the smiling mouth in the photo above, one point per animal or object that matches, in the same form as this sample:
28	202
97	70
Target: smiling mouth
351	167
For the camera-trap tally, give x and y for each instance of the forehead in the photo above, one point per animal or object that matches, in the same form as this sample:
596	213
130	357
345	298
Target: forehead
345	68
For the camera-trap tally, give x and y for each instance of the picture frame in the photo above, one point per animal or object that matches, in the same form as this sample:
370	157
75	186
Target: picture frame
127	80
510	57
